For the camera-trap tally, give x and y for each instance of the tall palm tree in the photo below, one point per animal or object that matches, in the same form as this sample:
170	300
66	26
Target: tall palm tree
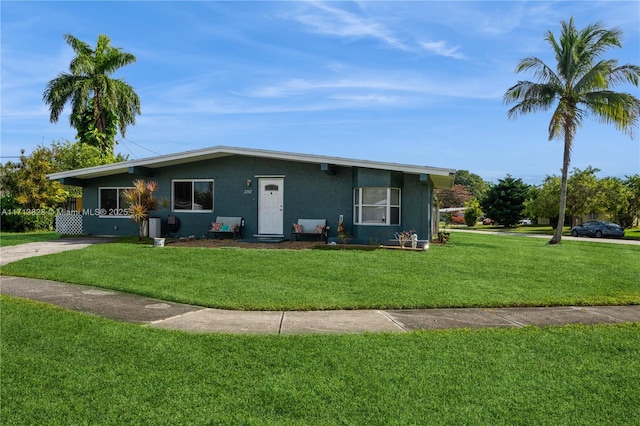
580	84
100	104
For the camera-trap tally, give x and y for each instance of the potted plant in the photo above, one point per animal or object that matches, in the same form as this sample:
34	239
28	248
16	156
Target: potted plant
141	201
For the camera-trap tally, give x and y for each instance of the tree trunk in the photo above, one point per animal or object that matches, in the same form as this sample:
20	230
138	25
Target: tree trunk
557	237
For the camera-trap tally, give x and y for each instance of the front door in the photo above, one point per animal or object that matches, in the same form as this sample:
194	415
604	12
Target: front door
270	206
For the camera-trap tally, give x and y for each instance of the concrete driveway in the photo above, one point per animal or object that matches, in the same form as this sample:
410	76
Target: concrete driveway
10	254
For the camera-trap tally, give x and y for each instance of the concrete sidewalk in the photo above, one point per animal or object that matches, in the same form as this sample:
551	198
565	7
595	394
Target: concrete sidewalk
176	316
548	237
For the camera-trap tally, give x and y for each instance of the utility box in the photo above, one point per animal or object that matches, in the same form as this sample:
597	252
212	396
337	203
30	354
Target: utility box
154	227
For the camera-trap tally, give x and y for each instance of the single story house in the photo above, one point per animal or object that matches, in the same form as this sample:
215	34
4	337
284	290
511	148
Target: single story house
270	190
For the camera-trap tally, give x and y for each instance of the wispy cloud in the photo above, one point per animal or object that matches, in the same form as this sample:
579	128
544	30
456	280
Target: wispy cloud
389	86
442	49
375	24
326	19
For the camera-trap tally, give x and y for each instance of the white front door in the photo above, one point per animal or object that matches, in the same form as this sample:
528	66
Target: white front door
270	206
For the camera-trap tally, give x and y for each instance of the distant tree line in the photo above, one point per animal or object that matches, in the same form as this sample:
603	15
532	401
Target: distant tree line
511	200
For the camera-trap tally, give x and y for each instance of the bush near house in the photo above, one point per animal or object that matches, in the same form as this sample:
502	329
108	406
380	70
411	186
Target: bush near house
15	218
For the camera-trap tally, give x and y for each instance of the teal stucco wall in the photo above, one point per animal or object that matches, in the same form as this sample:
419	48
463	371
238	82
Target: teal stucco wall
309	192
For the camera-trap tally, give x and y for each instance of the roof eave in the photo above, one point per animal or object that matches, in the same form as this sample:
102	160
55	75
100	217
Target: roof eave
440	177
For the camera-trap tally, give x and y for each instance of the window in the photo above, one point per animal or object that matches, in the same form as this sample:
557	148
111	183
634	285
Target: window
192	195
111	202
376	206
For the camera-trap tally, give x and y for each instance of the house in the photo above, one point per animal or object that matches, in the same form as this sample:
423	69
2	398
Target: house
270	190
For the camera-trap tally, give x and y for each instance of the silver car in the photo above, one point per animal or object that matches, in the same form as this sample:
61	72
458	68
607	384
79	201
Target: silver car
598	229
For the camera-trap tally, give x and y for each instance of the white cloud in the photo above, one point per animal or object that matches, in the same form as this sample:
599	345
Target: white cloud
337	22
442	49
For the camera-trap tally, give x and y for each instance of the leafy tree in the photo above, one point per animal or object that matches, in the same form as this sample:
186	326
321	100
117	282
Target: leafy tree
25	184
544	201
99	103
582	193
455	197
613	199
472	212
474	183
580	84
504	202
26	180
632	216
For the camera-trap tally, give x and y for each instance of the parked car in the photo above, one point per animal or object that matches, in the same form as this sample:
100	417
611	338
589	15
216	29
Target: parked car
487	221
598	229
524	222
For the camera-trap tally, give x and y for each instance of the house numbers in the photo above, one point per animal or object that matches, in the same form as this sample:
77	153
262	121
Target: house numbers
247	191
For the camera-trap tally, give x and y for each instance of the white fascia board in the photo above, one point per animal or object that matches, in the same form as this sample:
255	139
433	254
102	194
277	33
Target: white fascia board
221	151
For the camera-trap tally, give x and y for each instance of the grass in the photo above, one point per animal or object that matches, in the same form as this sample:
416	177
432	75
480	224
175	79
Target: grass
15	238
632	234
629	234
61	367
473	270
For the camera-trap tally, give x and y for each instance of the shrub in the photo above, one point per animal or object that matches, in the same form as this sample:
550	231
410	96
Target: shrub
472	212
17	219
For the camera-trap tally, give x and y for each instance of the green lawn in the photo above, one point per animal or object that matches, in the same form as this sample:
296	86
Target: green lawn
61	367
472	270
15	238
629	234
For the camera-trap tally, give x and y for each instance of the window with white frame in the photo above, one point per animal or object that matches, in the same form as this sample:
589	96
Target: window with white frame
192	195
376	206
111	202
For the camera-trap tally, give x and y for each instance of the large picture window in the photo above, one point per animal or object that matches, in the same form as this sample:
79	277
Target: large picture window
376	206
192	195
111	202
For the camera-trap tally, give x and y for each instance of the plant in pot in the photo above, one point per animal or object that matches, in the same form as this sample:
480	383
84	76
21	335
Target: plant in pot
141	202
343	236
405	236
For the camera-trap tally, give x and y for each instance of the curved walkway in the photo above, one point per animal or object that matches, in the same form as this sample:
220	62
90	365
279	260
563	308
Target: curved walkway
169	315
176	316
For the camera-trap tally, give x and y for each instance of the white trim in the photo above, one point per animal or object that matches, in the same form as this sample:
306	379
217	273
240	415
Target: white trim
357	208
441	177
192	210
262	223
112	216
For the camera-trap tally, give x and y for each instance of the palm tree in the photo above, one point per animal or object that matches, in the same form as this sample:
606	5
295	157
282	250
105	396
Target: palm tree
100	105
580	85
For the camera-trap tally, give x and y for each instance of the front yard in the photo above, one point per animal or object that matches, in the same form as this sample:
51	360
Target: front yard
472	270
61	367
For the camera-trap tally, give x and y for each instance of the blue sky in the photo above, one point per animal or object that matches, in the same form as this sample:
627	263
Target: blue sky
416	82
